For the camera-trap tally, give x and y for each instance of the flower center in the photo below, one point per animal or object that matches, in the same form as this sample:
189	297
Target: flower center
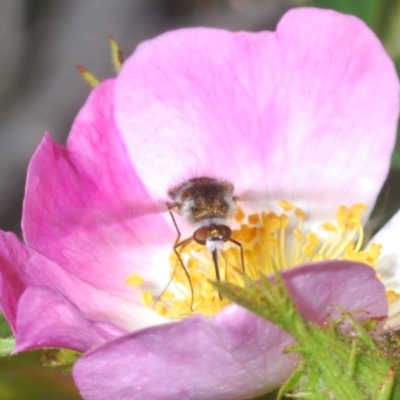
268	240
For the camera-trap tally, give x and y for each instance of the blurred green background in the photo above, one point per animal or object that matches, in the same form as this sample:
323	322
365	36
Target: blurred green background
23	377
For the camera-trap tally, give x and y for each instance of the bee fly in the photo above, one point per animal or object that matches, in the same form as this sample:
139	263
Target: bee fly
207	204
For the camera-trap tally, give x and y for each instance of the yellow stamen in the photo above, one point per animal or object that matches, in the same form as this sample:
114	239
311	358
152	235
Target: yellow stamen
286	205
297	234
329	227
267	244
134	280
147	298
254	219
391	296
239	215
299	213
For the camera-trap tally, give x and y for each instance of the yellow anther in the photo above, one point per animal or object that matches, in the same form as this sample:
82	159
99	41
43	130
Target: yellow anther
239	215
273	224
161	309
308	248
147	298
358	208
254	219
192	264
286	205
178	306
312	242
244	231
134	280
329	227
342	215
374	250
318	257
264	218
300	213
350	218
257	248
236	234
262	232
253	233
298	235
353	221
168	295
284	219
392	295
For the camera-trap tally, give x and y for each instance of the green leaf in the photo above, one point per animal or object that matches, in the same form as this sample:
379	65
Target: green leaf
368	10
388	29
6	346
382	16
356	364
268	299
396	155
23	378
62	359
5	330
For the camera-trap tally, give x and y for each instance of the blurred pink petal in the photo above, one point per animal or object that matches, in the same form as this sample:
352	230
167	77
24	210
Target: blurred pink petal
235	355
23	270
83	205
12	280
62	324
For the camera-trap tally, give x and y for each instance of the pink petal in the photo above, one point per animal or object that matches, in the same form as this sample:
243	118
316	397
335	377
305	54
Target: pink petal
234	355
12	281
294	114
22	267
194	359
94	303
324	286
46	319
388	265
86	209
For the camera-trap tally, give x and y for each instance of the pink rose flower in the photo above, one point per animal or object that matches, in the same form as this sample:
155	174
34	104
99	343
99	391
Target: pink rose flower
302	121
